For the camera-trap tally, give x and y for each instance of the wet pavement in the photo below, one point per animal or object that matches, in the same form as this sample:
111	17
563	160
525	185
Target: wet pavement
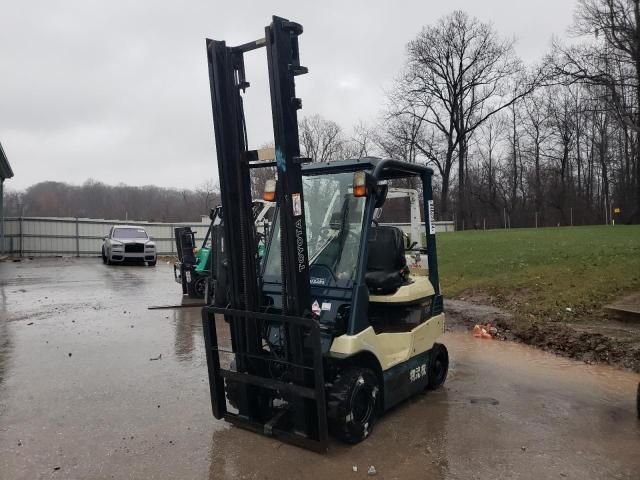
81	398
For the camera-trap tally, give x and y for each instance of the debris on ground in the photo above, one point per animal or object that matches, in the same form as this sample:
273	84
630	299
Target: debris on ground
156	358
69	353
355	468
30	323
372	471
487	331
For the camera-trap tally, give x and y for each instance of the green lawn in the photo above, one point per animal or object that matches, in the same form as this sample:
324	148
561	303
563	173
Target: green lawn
539	273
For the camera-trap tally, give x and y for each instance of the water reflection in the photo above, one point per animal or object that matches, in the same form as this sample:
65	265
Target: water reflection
188	332
410	442
6	345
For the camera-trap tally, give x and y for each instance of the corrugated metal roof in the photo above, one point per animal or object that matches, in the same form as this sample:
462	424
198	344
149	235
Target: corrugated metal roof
5	168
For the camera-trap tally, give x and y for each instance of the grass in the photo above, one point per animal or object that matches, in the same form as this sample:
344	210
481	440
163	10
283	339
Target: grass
541	272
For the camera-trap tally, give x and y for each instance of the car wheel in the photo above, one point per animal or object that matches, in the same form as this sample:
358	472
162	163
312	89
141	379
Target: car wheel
152	264
438	366
104	256
352	404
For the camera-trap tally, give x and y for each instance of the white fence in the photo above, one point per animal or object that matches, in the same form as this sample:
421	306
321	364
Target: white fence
52	236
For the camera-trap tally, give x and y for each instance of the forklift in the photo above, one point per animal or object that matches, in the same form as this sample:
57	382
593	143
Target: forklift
194	268
331	328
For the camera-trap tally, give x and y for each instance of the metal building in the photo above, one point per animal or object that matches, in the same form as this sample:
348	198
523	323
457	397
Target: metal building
5	172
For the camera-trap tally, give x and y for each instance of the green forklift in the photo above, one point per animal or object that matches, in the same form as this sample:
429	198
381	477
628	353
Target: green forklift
332	327
194	269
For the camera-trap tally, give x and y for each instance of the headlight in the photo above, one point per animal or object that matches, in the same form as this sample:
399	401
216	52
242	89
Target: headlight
150	247
117	245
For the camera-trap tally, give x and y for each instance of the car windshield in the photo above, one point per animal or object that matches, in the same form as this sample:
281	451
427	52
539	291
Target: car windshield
128	233
334	227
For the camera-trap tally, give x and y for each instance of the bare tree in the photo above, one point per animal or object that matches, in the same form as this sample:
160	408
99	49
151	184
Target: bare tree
460	69
609	57
321	140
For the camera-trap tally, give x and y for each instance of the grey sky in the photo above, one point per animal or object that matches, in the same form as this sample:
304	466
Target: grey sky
118	91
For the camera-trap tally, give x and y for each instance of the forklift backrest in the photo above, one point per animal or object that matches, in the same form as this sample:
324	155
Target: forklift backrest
185	244
386	263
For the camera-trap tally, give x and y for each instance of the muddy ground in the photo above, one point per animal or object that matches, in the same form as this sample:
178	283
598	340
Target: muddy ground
81	397
602	339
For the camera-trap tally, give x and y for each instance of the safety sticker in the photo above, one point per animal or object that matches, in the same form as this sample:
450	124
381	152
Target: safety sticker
432	227
297	204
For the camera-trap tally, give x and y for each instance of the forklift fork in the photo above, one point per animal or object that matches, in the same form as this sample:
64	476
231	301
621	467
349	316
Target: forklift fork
311	389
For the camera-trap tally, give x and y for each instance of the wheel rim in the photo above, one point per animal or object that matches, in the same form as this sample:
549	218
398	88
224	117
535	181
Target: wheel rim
362	404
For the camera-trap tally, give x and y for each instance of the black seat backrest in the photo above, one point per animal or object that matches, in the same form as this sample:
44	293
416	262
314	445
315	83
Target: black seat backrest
386	263
185	244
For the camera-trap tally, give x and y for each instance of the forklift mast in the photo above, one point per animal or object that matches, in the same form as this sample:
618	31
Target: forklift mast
242	307
235	161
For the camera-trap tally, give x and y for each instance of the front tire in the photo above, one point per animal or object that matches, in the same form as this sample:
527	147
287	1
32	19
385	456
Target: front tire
198	288
438	366
104	256
352	404
152	264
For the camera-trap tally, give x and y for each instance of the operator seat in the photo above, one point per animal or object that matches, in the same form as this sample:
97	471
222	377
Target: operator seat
386	264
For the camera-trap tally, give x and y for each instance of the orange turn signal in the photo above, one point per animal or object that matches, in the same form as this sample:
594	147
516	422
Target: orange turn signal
360	184
269	194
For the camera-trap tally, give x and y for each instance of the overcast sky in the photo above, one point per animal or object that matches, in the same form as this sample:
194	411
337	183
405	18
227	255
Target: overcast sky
118	90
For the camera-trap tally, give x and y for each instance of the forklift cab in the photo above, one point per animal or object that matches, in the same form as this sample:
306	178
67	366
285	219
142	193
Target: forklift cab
356	266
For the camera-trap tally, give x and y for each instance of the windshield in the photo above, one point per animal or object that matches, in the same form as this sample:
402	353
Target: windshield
124	233
334	227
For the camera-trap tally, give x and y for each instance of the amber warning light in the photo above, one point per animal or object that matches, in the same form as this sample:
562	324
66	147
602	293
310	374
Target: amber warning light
269	194
360	184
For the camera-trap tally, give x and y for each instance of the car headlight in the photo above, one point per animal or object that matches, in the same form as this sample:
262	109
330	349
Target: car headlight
150	247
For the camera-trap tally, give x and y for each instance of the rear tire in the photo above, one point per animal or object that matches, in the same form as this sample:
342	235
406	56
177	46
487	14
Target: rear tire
352	404
438	366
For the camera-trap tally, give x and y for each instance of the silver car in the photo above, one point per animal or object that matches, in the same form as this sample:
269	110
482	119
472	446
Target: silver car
128	242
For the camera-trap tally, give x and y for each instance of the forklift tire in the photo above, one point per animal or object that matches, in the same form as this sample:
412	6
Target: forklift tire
197	290
352	403
438	366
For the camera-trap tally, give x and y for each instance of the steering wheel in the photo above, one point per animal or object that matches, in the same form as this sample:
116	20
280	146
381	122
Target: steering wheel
322	268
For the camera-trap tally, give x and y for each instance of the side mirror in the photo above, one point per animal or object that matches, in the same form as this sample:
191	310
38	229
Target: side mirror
151	238
381	194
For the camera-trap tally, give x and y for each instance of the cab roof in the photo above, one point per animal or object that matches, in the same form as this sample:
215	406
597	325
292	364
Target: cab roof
380	168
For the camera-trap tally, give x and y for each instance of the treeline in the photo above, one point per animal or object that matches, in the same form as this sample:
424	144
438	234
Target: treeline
96	200
514	145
